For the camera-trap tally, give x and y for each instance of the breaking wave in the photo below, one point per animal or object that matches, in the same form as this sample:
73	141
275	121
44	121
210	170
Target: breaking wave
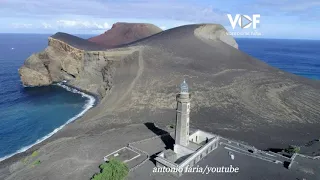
89	104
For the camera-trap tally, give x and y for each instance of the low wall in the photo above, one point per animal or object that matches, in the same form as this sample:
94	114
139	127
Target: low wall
295	155
200	154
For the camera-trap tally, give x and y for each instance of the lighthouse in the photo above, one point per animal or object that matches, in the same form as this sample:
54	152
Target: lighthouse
182	115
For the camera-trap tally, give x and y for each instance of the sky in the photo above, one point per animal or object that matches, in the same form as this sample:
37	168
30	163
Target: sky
281	19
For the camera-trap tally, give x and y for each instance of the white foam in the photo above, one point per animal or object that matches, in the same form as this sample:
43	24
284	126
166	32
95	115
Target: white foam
89	104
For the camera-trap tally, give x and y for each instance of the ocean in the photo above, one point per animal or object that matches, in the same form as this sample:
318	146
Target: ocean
30	115
300	57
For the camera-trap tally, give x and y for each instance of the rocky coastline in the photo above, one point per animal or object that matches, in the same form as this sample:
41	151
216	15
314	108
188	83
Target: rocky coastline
234	95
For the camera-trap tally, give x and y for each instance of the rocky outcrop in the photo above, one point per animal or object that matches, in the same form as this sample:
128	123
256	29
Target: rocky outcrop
215	32
31	77
90	67
123	33
233	95
91	71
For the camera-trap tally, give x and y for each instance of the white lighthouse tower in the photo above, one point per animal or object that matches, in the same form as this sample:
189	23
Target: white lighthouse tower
183	111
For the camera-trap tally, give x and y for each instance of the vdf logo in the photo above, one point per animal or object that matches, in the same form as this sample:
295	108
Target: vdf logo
244	21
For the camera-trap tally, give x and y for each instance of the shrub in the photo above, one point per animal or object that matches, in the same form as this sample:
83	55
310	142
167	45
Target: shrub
113	170
34	154
292	149
36	162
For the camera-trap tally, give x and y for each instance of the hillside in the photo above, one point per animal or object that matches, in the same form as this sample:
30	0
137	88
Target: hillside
233	95
77	42
123	33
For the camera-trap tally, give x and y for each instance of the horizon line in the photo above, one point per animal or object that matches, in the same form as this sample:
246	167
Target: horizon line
255	37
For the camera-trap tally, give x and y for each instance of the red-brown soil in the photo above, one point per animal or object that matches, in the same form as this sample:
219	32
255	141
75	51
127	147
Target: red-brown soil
123	33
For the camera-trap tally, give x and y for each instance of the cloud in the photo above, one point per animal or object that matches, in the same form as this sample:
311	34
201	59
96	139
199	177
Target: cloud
94	15
290	5
182	10
82	24
155	9
163	27
299	9
46	25
21	25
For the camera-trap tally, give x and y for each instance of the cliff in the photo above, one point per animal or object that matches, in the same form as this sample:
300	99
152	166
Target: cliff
61	61
233	95
123	33
89	66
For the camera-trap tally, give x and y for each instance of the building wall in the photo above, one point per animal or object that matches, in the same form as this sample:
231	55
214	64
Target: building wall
201	153
190	161
181	150
200	137
182	122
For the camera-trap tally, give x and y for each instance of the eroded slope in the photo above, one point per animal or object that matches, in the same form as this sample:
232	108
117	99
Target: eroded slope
233	95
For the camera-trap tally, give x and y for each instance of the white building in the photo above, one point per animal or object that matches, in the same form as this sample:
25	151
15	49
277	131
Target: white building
188	148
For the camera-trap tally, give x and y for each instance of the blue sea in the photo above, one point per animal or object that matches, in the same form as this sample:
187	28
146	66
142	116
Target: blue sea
300	57
30	115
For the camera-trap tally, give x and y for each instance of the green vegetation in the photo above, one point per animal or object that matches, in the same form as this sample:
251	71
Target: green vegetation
25	160
28	158
112	170
172	126
292	149
36	162
34	154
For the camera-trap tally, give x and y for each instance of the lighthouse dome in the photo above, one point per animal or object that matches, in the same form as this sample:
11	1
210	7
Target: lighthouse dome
184	87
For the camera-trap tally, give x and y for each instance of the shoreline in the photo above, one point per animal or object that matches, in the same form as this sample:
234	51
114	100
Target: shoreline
91	101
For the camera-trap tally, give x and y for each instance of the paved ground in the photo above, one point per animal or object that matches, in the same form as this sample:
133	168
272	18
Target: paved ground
124	154
306	165
249	169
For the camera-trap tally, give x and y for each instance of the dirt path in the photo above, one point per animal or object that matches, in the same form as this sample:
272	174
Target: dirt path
104	103
133	83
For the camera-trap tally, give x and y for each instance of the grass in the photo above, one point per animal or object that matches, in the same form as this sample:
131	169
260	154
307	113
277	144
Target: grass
35	163
113	170
26	159
34	154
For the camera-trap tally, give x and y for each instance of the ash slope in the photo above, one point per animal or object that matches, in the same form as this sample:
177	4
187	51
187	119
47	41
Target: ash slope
123	33
221	78
77	42
233	95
